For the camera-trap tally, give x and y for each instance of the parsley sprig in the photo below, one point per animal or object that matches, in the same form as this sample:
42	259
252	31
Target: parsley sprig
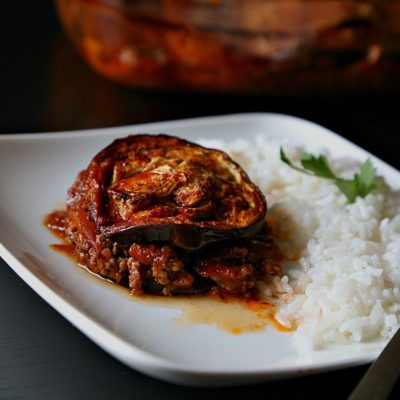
363	182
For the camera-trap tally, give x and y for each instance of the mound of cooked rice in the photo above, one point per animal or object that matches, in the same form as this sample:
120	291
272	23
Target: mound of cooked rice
344	281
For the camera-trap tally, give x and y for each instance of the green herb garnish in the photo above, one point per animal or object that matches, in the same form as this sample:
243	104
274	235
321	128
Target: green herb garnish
363	183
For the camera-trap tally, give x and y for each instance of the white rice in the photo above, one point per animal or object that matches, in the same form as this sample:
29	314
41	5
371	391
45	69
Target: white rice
345	286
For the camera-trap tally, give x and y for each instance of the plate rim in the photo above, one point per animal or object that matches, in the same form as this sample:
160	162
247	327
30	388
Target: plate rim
131	354
153	365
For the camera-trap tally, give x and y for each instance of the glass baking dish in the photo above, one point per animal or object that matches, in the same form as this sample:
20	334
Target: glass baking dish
240	46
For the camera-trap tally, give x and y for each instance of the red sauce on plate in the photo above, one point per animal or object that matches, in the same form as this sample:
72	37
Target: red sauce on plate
233	314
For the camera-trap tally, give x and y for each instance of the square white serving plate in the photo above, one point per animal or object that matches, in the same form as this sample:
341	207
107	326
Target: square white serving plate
35	172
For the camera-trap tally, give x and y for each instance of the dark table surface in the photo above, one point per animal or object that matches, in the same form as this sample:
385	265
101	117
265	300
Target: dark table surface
46	87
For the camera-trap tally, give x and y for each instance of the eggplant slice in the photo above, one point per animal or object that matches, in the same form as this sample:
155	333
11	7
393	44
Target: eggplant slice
158	188
162	215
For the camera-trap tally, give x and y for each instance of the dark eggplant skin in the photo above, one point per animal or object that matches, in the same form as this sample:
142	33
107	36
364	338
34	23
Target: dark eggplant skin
184	236
159	188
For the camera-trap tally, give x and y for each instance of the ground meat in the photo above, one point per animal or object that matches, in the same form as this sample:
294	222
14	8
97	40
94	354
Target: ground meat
106	264
136	277
229	267
237	279
160	263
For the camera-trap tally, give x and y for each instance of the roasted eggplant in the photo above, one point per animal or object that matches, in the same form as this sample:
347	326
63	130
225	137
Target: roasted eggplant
158	188
162	215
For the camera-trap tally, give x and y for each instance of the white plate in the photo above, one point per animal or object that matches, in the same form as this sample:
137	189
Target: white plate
35	172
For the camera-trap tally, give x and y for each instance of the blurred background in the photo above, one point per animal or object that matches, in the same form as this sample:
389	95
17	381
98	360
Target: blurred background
335	63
